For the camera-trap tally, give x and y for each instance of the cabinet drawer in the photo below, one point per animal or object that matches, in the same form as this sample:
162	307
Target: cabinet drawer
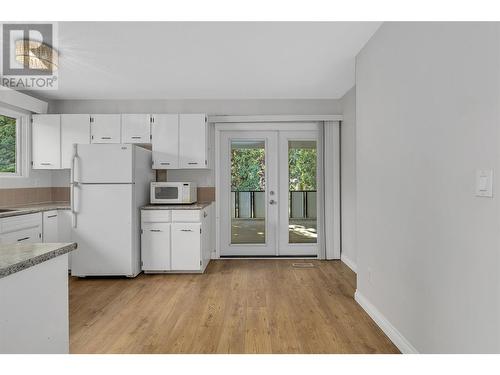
29	235
156	216
15	223
189	216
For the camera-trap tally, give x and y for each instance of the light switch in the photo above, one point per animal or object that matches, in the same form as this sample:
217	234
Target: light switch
484	183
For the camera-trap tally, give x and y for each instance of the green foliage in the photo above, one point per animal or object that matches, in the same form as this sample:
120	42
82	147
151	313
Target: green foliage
302	168
248	169
7	144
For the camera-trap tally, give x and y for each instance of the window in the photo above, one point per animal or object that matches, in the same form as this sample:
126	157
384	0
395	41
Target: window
8	145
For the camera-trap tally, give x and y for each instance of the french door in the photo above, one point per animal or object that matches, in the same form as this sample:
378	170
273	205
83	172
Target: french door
268	185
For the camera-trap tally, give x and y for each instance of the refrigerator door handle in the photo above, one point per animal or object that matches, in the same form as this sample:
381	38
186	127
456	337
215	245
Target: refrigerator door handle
73	185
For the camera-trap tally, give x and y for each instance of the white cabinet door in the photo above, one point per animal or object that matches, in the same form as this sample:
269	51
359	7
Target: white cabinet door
186	247
64	227
75	129
51	226
46	141
105	128
165	140
136	128
192	141
155	246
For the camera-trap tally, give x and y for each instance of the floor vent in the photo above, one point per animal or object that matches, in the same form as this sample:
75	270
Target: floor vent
303	265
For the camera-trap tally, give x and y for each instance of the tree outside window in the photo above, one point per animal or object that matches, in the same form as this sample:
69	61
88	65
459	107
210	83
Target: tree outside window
7	144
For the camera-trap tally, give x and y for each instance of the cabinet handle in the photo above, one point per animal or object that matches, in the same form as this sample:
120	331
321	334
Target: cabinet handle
23	239
192	163
45	163
155	230
135	137
186	230
205	214
164	163
51	216
105	137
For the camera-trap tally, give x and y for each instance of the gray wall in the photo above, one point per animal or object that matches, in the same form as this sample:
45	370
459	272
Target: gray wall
427	116
348	178
211	107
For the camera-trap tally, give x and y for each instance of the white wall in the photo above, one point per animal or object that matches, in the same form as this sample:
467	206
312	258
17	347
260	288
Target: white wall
208	106
348	178
427	116
34	179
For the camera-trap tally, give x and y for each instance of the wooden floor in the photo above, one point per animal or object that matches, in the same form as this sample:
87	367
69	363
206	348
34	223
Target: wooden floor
237	306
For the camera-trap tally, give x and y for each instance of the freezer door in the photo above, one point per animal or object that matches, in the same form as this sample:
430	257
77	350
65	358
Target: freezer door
104	163
104	231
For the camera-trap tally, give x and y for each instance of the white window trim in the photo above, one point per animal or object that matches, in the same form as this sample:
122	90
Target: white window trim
22	143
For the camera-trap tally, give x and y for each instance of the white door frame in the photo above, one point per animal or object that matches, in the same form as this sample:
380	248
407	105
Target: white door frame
284	247
269	248
329	176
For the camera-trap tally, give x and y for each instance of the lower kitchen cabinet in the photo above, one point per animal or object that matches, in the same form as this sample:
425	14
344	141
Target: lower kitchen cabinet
176	241
186	246
155	242
51	226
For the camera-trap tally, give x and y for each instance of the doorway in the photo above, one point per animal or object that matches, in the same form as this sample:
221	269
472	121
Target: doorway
269	189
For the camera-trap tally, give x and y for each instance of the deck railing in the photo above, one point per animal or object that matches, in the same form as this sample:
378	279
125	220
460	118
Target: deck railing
250	204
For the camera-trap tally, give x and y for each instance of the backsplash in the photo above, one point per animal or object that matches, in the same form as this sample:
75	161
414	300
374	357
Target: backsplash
22	196
206	194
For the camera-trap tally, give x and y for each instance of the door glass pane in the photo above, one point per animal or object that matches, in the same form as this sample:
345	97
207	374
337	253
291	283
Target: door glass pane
248	214
302	161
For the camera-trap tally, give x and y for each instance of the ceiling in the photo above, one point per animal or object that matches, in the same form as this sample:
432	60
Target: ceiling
208	60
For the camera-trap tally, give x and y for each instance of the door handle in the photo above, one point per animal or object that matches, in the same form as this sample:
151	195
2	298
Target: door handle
272	201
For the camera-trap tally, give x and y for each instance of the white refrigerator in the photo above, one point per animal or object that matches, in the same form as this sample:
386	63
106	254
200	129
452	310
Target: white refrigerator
109	184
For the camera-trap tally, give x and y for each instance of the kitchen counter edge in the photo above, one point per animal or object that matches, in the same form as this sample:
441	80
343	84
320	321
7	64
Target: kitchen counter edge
18	257
34	208
193	206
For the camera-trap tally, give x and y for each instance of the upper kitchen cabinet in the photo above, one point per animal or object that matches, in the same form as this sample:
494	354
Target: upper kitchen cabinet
75	129
105	128
165	141
193	135
46	141
136	128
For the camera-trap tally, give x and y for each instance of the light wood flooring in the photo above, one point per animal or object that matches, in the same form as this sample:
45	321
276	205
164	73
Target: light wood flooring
237	306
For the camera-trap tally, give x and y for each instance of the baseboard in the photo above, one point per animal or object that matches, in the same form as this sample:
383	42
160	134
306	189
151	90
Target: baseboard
349	263
394	335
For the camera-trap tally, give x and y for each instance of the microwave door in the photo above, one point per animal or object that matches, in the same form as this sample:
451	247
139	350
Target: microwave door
167	193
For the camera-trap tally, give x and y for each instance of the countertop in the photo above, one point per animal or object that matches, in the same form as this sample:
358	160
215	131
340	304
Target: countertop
33	208
192	206
17	257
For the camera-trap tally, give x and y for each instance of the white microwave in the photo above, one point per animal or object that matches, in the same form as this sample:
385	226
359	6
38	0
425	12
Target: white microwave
173	193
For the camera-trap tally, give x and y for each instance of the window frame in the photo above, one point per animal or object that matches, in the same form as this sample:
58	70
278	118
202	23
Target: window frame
22	149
